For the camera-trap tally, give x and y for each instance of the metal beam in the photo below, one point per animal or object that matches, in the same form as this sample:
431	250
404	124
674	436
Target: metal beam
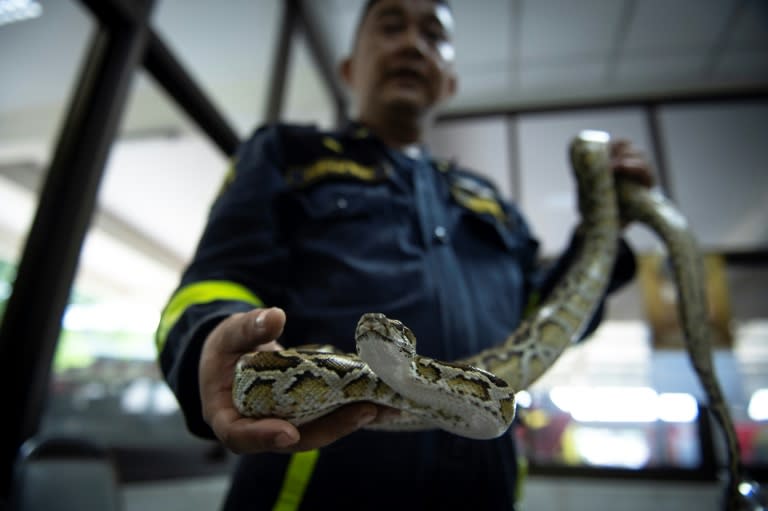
171	75
739	93
177	82
32	321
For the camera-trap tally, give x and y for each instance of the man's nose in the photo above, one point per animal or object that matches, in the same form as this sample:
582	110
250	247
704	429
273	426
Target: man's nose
413	41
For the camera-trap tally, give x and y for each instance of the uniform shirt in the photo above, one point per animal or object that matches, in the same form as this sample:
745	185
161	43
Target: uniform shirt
330	225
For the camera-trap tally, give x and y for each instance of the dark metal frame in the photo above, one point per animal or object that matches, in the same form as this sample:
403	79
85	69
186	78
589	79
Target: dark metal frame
123	43
32	320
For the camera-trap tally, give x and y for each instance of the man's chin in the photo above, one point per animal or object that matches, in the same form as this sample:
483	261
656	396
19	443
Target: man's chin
407	103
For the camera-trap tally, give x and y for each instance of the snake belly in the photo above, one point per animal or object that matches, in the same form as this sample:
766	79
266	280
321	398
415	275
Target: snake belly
473	397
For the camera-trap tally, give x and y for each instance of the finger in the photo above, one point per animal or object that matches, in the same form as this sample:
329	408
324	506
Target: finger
636	169
337	424
247	435
619	147
242	332
385	413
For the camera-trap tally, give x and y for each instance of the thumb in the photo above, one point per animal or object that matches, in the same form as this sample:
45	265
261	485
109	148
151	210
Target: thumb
243	332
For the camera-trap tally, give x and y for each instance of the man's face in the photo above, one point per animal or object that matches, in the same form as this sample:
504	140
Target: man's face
403	57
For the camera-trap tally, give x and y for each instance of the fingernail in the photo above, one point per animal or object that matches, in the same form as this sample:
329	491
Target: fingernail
282	440
260	317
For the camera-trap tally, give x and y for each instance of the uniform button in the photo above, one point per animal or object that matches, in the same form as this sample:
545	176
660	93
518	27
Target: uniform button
441	234
341	203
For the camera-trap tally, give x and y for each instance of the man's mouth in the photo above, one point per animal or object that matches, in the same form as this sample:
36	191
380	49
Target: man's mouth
404	75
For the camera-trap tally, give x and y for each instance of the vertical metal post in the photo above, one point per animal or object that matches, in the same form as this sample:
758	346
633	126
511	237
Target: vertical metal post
32	321
321	54
657	148
282	59
512	122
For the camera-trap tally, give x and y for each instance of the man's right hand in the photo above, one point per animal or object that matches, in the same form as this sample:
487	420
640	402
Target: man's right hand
233	337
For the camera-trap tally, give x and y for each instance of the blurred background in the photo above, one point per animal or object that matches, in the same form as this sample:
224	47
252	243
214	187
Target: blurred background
685	80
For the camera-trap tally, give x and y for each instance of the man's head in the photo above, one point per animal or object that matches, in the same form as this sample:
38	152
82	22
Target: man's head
402	57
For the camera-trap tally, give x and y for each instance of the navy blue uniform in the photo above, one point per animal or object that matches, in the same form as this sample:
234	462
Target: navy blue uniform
330	225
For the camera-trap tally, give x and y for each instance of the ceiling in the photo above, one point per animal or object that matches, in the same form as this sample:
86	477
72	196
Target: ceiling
511	54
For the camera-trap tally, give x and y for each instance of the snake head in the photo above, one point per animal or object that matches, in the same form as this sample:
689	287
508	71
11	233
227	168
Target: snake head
392	330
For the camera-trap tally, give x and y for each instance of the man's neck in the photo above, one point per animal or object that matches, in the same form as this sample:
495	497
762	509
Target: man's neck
396	131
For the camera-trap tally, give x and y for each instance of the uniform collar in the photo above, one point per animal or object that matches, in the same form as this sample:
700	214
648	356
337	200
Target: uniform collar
415	152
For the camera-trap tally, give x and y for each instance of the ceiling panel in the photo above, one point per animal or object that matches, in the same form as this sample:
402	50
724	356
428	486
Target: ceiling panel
484	33
563	76
750	28
483	82
748	65
553	28
662	26
660	69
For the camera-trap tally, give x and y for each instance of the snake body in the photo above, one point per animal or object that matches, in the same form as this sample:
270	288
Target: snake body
475	397
654	210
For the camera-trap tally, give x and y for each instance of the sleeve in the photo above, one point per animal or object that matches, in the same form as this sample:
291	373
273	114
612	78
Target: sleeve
237	266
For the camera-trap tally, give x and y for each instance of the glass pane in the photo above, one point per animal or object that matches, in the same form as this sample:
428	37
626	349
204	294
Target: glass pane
628	396
228	48
480	144
41	48
155	195
623	399
750	359
716	154
547	186
307	99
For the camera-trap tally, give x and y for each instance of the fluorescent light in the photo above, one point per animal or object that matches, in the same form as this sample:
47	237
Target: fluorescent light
19	10
616	404
758	405
610	447
677	407
111	317
625	404
523	399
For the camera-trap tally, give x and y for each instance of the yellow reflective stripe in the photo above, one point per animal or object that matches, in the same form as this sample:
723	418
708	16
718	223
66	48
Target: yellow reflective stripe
522	476
229	177
533	301
297	478
199	292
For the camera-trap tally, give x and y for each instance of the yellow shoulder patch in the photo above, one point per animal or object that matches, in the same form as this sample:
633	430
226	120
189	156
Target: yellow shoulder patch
332	144
478	197
330	168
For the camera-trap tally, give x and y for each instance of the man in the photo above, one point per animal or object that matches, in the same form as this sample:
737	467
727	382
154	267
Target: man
327	226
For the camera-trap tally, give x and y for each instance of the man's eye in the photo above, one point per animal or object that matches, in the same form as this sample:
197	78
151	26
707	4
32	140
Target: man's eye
434	35
391	27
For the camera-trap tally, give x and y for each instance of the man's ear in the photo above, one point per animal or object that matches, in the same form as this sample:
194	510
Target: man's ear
345	71
451	86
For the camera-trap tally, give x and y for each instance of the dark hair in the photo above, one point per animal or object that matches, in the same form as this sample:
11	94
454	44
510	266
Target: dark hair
367	8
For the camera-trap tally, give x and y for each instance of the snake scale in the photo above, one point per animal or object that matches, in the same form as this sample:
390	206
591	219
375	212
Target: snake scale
475	397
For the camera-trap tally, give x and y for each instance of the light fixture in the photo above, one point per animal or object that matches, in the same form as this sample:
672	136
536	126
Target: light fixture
758	405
